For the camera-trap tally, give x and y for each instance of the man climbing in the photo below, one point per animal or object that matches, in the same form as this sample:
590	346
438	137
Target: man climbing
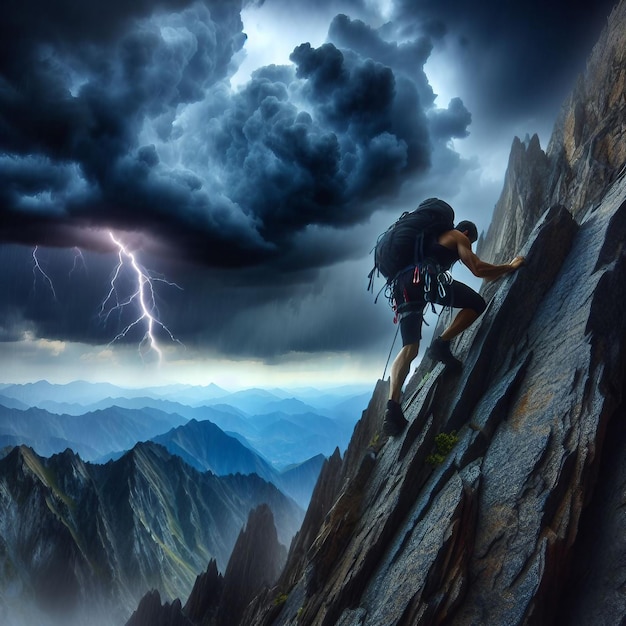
414	287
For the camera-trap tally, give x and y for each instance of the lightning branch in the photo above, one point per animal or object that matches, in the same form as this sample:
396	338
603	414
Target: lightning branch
141	299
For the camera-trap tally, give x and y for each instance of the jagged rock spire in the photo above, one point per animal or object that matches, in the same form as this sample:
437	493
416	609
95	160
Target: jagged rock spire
256	562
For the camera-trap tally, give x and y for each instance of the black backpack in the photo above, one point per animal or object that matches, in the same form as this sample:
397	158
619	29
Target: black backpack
403	244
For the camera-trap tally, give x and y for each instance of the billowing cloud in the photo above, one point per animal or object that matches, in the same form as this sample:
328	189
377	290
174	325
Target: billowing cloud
255	197
130	123
513	60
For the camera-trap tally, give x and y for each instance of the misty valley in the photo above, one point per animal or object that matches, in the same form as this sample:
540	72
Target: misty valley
108	493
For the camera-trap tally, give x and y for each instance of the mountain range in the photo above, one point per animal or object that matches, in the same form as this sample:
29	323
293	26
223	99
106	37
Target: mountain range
202	444
81	543
91	435
279	426
206	447
92	519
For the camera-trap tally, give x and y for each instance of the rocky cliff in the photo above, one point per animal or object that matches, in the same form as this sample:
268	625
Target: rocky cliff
503	501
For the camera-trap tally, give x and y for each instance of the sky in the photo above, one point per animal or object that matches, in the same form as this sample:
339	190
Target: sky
214	174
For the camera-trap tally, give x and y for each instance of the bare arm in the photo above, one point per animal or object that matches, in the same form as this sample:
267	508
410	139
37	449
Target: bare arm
479	268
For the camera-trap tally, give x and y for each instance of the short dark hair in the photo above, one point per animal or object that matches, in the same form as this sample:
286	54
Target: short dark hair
470	227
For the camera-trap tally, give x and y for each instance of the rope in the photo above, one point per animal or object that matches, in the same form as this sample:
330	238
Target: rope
390	351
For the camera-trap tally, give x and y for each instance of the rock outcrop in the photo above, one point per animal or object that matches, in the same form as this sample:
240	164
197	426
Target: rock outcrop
585	155
254	566
256	563
521	204
205	595
151	611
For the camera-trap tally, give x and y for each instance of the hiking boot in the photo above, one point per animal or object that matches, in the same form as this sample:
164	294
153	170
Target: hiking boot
440	351
394	422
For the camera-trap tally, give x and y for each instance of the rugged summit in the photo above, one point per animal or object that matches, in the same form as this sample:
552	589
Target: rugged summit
254	566
521	203
503	501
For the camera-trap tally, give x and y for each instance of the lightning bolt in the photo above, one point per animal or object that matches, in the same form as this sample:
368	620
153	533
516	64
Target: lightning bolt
38	269
142	297
79	261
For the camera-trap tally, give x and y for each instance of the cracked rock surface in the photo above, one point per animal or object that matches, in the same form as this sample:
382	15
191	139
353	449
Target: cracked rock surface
490	534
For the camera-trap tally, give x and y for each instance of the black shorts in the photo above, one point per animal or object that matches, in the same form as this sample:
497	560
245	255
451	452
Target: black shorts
410	301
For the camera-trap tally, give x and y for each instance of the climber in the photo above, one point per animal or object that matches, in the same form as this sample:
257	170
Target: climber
431	282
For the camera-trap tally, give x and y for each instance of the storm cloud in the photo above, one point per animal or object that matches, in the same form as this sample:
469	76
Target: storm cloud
259	199
514	59
128	121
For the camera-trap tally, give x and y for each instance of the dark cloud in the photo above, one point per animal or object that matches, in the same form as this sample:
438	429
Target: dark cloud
72	109
515	58
241	314
127	122
408	57
120	115
451	122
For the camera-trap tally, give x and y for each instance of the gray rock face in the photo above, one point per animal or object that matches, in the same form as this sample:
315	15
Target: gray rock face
587	149
491	534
